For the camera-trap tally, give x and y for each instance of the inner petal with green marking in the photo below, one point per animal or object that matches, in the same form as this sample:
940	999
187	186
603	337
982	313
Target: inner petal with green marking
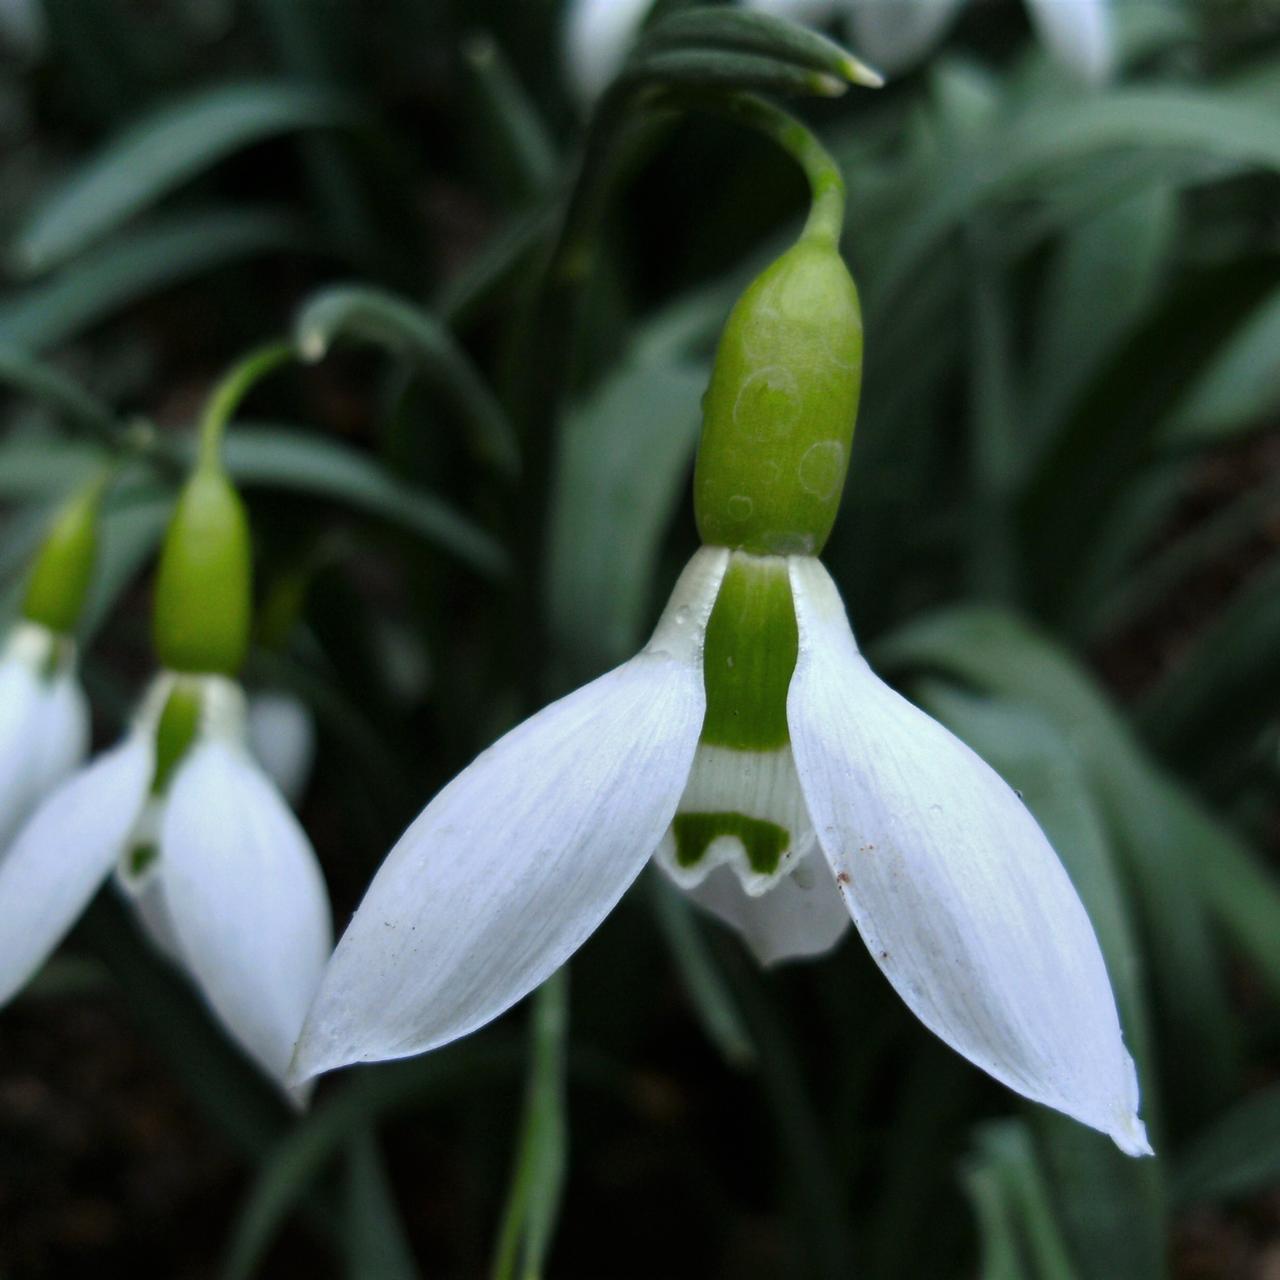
742	804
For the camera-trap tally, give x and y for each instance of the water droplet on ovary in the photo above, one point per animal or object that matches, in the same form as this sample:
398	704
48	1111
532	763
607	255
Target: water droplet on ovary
822	468
740	507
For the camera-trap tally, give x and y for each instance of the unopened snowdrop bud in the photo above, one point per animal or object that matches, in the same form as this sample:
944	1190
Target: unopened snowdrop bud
63	569
202	600
778	416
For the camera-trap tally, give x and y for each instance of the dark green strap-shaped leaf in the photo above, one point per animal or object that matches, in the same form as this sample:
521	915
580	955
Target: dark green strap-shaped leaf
31	377
1238	1154
758	33
511	127
298	1159
373	315
140	263
1099	282
1227	687
726	71
997	1230
1007	1154
696	966
533	1203
1210	122
1240	387
375	1244
159	153
624	454
286	458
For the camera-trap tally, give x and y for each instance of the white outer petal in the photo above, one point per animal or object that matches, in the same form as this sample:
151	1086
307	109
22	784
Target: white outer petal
802	915
19	711
282	737
597	36
61	740
518	860
64	852
246	899
1078	33
894	34
954	888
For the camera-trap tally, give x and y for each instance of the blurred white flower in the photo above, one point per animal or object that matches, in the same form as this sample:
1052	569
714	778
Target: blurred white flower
892	35
598	34
282	737
44	720
847	802
22	26
226	879
896	34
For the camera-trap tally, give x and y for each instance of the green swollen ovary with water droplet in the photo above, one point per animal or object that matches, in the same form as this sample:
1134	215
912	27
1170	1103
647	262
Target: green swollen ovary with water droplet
778	416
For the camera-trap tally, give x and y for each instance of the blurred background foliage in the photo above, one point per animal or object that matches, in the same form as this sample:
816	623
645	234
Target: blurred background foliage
1061	535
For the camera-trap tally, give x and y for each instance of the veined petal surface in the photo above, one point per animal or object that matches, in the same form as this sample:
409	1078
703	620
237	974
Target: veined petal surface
954	888
64	852
246	899
518	860
802	915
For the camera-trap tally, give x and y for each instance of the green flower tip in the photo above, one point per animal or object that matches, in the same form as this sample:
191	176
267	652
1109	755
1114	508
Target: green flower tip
63	569
778	416
203	588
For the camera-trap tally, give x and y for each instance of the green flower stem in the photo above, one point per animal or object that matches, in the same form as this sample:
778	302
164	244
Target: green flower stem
228	394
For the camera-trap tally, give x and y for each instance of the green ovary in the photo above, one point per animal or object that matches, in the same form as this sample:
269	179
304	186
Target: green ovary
764	842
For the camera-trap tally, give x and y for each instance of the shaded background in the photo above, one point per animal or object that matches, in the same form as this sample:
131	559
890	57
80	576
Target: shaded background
1061	535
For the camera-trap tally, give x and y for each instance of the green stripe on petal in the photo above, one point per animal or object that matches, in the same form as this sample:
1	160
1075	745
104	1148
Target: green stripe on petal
750	654
764	842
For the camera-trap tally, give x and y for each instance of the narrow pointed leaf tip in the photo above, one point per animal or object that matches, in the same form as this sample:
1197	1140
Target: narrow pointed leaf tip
954	888
518	860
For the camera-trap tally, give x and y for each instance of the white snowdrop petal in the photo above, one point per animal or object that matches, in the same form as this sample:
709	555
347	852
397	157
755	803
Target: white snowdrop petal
64	852
802	915
246	899
951	883
1078	33
518	860
282	737
61	738
894	34
598	35
19	707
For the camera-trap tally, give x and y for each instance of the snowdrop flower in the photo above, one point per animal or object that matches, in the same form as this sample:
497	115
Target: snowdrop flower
751	751
44	715
229	886
223	875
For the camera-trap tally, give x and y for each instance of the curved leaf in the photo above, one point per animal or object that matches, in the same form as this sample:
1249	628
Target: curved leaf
159	153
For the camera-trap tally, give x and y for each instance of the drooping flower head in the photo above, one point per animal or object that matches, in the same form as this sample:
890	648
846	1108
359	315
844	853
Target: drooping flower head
219	870
751	751
44	715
